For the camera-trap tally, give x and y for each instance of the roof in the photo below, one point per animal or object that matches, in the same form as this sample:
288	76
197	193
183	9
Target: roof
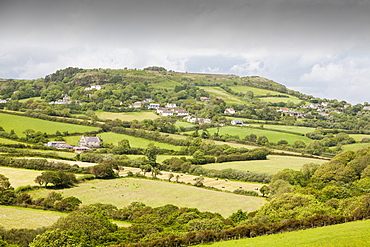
91	138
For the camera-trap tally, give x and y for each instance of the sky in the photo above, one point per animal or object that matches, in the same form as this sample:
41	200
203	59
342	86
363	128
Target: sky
317	47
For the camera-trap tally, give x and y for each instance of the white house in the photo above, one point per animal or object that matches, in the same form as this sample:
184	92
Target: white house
90	142
237	122
170	105
153	106
166	113
204	99
229	111
2	101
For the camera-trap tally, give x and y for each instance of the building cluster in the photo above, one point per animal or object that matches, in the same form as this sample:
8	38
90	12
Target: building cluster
84	144
94	87
66	100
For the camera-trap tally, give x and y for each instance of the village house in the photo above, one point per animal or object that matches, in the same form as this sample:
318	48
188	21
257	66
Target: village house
229	111
204	99
237	122
96	87
90	142
59	145
147	100
170	105
153	106
2	101
163	111
366	108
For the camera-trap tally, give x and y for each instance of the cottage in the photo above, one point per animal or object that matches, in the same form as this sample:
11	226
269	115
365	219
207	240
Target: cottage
170	105
237	122
366	107
166	113
229	111
153	106
204	99
90	141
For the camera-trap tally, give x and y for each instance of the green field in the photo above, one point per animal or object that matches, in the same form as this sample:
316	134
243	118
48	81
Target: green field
21	123
272	165
265	92
32	98
355	146
52	152
16	217
352	234
121	192
271	135
217	92
127	116
359	137
160	158
20	177
165	85
296	129
8	141
183	124
114	138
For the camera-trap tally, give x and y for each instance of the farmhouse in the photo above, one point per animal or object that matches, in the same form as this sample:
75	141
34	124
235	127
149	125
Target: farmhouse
90	142
59	145
153	106
170	105
229	111
96	87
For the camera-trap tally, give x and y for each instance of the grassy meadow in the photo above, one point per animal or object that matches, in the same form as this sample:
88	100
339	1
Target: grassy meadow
355	146
127	116
21	123
217	92
20	177
8	141
121	192
264	92
114	138
17	217
352	234
272	165
296	129
271	135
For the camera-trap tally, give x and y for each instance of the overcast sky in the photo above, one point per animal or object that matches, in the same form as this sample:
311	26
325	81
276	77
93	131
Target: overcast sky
318	47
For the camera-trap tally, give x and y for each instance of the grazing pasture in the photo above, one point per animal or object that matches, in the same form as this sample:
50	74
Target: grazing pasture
217	92
20	177
272	136
355	146
8	141
121	192
114	138
351	234
272	165
127	116
17	217
296	129
20	123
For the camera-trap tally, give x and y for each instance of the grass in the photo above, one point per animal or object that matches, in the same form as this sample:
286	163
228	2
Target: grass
271	135
359	137
17	217
355	146
21	123
296	129
114	138
265	92
53	152
127	116
352	234
32	98
121	192
20	177
272	165
160	158
183	124
8	141
217	92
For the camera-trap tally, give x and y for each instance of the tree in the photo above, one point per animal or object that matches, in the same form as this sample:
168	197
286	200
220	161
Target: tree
57	238
7	195
103	171
170	176
58	178
238	216
151	154
265	190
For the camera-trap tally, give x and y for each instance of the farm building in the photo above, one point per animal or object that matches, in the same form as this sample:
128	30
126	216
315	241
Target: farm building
229	111
90	141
